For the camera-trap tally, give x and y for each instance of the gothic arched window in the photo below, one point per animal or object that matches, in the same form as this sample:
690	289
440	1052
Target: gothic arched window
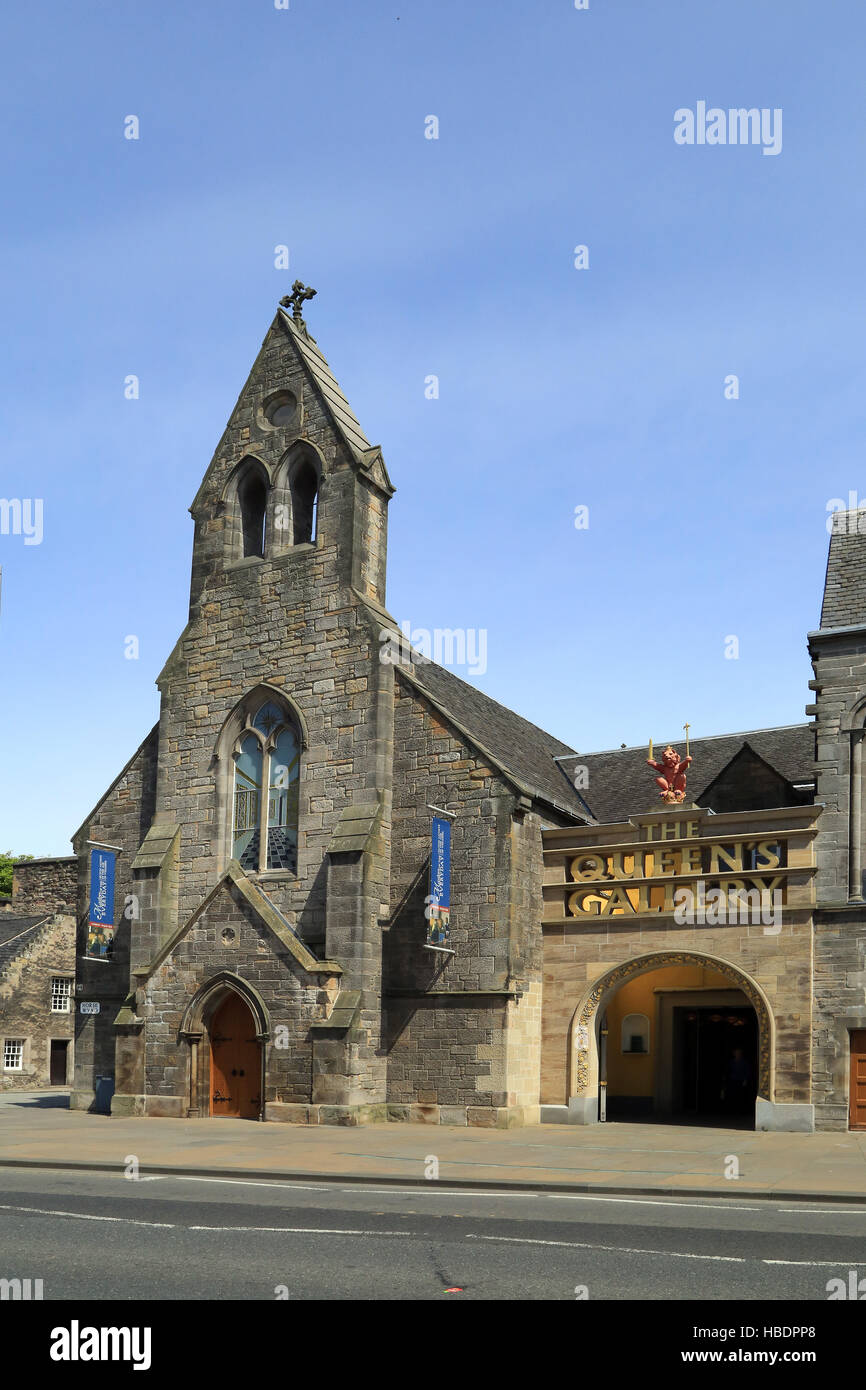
253	502
267	757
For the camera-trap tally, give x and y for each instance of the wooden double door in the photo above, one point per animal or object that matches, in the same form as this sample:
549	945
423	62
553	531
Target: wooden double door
857	1103
236	1061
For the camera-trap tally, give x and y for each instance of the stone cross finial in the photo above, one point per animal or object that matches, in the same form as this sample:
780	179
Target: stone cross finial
293	301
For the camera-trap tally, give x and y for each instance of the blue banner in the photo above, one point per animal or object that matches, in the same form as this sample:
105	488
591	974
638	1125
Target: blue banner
439	901
100	930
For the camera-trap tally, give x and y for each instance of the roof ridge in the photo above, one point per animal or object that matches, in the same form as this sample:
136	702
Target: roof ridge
336	401
702	738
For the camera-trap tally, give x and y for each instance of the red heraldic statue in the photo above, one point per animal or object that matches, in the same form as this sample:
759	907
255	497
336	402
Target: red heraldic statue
672	783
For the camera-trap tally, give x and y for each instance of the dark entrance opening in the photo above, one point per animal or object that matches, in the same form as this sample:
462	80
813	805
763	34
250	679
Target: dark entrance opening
715	1058
57	1063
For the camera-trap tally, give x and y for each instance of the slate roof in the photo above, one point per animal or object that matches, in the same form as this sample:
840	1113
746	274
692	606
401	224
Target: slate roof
16	933
621	784
341	412
845	585
526	751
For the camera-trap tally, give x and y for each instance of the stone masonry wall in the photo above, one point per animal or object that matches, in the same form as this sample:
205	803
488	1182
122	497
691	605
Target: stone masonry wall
840	1006
840	929
25	1003
45	885
840	678
122	818
451	1049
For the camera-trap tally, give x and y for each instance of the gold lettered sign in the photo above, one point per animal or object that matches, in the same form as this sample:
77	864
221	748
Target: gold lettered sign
670	868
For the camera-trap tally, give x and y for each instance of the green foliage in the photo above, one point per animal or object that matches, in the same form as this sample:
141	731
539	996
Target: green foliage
6	862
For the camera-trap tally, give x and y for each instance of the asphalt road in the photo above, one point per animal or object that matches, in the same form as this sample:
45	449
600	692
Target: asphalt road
92	1236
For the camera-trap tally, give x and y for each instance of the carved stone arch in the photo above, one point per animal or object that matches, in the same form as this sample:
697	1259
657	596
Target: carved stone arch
583	1033
249	460
210	995
855	717
236	720
195	1031
300	448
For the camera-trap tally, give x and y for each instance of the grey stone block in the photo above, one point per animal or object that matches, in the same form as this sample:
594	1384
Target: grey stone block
796	1119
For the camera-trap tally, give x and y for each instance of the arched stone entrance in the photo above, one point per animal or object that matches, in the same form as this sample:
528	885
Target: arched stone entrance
227	1027
586	1044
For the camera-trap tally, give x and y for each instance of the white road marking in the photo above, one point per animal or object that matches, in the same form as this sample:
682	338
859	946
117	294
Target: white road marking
815	1264
672	1254
616	1249
86	1216
841	1210
648	1202
433	1190
249	1182
300	1230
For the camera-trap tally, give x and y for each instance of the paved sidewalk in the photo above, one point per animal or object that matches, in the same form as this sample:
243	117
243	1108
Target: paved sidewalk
38	1129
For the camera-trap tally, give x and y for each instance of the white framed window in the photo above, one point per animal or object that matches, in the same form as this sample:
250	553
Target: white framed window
61	993
13	1054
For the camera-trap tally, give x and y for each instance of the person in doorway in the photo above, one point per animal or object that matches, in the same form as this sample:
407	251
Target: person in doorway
738	1077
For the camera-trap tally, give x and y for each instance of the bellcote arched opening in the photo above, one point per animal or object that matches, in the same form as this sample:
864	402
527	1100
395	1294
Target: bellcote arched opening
246	500
296	497
304	486
253	502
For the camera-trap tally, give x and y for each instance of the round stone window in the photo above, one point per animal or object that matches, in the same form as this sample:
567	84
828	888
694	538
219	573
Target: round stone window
281	409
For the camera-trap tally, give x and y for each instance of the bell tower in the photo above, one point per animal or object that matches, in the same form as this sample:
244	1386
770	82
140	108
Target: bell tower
294	481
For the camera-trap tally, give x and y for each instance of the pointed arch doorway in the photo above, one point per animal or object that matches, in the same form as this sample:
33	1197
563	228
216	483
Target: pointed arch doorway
235	1060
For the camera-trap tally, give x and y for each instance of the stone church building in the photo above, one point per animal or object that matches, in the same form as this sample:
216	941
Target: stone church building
271	958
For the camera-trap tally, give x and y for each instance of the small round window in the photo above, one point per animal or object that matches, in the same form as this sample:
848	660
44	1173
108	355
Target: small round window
281	409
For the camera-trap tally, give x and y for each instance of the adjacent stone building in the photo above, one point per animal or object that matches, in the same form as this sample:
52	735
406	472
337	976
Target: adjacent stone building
37	976
273	840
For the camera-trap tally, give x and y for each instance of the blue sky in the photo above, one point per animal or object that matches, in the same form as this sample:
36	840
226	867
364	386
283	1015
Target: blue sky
558	387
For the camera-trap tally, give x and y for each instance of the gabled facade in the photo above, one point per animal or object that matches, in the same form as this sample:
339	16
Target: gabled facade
274	826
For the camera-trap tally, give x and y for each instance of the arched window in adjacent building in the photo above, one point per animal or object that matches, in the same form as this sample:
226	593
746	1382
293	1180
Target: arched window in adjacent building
305	493
635	1033
253	502
267	756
